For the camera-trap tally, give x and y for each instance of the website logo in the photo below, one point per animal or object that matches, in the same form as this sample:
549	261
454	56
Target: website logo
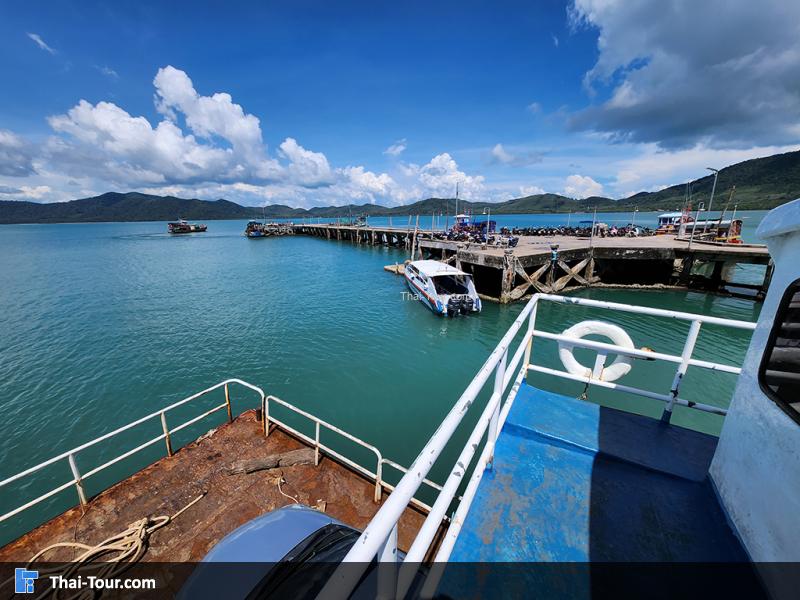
23	580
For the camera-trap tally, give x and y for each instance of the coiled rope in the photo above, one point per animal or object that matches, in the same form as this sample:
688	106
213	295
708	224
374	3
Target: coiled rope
126	548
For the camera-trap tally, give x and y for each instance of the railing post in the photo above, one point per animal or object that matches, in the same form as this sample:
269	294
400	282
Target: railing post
526	361
316	445
686	355
265	416
379	481
499	376
78	483
599	365
228	402
166	433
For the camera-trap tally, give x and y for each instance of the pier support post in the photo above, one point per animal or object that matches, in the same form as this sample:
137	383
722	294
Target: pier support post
686	270
509	272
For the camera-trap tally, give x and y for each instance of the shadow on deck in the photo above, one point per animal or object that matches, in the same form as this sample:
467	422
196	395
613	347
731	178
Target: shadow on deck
583	488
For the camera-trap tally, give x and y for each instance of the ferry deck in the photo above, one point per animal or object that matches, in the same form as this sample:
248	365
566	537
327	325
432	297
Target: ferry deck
541	478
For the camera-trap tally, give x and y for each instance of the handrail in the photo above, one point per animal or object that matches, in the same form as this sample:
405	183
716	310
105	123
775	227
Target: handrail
78	478
379	537
376	476
384	523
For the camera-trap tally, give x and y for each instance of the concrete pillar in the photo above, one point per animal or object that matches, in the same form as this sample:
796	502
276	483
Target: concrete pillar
507	283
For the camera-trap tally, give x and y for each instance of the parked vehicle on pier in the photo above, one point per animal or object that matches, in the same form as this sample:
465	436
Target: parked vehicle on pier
443	288
181	226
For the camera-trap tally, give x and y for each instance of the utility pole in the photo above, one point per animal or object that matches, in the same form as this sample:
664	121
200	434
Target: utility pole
713	187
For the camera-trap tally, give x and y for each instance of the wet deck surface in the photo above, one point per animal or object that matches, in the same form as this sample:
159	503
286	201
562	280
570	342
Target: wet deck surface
166	486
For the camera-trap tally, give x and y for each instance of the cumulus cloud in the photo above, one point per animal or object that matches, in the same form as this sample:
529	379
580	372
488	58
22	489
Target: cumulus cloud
306	168
530	190
440	176
679	73
215	115
500	155
204	146
16	158
397	148
582	186
128	147
37	39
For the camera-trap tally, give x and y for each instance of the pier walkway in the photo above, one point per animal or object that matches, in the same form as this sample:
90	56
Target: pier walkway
510	274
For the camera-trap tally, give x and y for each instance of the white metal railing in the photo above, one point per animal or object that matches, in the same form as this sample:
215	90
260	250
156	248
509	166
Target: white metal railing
78	478
379	538
380	461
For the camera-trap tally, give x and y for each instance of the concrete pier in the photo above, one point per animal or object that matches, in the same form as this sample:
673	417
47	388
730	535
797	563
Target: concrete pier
511	274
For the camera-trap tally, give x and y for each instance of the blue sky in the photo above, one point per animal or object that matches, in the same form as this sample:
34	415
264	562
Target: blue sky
309	103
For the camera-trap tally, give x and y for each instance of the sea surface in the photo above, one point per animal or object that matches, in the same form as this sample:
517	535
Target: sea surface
101	324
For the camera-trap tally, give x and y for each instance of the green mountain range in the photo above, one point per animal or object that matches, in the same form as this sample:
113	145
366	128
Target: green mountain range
761	183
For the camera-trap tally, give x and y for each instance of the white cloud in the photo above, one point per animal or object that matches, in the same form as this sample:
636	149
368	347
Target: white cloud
35	192
206	147
129	148
652	168
582	186
535	108
530	190
440	176
108	72
397	148
555	40
16	159
216	115
306	168
37	39
718	72
499	155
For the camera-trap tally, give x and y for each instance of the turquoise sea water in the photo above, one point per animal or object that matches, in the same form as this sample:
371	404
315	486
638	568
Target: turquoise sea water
104	323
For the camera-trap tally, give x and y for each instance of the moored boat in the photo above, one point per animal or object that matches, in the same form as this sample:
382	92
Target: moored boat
443	288
182	226
255	230
670	223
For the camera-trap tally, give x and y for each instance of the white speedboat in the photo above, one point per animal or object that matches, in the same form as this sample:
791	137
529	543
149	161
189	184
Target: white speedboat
444	289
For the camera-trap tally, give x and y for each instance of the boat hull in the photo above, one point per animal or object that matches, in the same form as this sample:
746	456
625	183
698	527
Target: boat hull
432	303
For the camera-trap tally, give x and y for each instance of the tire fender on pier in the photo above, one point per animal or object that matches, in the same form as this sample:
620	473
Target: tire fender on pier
621	365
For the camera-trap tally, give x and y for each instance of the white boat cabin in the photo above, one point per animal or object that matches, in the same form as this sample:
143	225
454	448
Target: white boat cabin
443	288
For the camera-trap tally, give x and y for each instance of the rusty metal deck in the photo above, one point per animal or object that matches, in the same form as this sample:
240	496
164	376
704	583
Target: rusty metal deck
169	484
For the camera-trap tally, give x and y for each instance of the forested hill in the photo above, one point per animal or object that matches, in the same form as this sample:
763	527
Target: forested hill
761	183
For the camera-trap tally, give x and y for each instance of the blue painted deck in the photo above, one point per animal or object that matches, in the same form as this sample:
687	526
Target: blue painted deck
574	481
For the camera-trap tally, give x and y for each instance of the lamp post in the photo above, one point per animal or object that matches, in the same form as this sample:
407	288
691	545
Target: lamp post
635	210
713	187
694	225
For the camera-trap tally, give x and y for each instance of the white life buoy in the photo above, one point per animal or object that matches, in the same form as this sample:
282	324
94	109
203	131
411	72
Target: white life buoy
621	366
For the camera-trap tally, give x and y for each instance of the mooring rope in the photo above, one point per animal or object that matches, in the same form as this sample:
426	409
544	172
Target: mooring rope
129	546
